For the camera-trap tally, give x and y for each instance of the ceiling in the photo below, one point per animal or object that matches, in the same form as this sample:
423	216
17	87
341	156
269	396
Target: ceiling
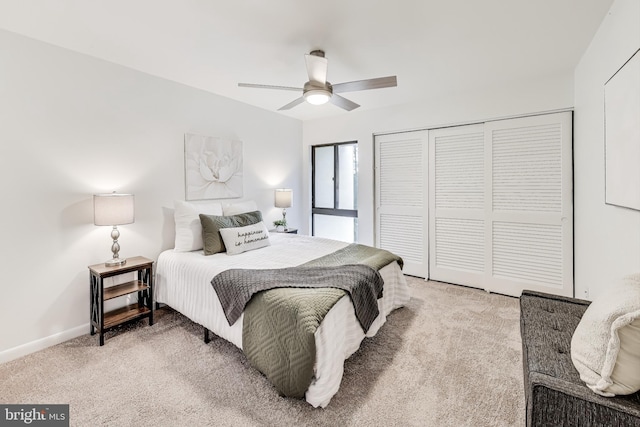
433	46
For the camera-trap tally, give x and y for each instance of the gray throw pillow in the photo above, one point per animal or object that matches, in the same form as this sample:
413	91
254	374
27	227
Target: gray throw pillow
211	225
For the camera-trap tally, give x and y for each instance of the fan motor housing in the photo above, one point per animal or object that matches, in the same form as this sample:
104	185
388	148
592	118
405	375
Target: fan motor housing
311	85
316	93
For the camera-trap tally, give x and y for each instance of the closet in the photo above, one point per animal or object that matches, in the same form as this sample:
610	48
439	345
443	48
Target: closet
499	202
401	198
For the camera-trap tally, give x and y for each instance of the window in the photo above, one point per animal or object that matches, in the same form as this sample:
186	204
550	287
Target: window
334	195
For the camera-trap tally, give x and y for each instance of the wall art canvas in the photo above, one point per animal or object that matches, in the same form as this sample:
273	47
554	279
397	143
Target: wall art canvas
622	135
213	167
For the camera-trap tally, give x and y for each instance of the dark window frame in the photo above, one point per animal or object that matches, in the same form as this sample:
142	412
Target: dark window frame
353	213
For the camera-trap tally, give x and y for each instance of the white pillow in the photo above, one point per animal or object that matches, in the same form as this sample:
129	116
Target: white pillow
242	239
605	347
188	227
240	207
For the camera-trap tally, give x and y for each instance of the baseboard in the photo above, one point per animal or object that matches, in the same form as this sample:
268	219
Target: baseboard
42	343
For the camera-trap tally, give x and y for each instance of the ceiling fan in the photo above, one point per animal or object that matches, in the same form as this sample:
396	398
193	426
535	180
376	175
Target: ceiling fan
319	91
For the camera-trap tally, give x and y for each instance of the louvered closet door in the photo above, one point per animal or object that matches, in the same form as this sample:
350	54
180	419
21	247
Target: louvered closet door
530	218
401	198
457	205
501	205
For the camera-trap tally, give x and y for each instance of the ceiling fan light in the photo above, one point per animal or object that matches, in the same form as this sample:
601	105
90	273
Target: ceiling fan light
317	96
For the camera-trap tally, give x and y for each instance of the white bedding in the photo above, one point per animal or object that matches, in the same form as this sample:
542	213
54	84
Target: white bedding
183	281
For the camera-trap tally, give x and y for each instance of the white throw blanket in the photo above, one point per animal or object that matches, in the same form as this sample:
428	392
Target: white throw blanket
605	347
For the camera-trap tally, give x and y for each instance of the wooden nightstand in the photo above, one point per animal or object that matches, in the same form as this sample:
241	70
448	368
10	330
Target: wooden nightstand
143	286
288	230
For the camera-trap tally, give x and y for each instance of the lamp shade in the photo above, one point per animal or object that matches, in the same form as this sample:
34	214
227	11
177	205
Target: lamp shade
113	209
284	198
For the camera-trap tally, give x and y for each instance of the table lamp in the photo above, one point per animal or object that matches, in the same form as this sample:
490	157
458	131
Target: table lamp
284	200
113	209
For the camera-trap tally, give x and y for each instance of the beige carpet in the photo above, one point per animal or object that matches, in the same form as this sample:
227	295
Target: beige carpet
452	357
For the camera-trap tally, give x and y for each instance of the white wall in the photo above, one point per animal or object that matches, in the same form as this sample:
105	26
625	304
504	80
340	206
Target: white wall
72	126
607	238
512	98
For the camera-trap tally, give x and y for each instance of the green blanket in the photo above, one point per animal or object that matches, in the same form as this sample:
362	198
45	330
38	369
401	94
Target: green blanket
279	324
356	254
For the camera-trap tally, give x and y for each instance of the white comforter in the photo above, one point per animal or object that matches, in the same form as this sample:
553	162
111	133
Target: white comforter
183	281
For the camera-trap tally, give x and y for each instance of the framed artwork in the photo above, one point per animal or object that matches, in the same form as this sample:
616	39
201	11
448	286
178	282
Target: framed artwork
622	135
213	167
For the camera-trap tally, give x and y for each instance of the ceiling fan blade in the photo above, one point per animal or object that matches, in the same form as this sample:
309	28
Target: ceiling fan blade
316	68
343	103
297	89
292	104
379	83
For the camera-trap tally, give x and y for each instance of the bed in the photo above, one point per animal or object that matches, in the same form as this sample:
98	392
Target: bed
183	282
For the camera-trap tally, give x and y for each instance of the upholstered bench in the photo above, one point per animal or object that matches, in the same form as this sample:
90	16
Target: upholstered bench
554	393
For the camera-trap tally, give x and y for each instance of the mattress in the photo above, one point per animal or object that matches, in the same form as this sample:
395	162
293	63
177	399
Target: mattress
183	281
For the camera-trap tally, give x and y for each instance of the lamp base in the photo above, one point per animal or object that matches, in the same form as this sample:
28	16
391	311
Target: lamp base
115	262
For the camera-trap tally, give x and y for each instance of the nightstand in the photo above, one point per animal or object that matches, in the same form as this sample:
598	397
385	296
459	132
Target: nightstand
143	286
288	230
